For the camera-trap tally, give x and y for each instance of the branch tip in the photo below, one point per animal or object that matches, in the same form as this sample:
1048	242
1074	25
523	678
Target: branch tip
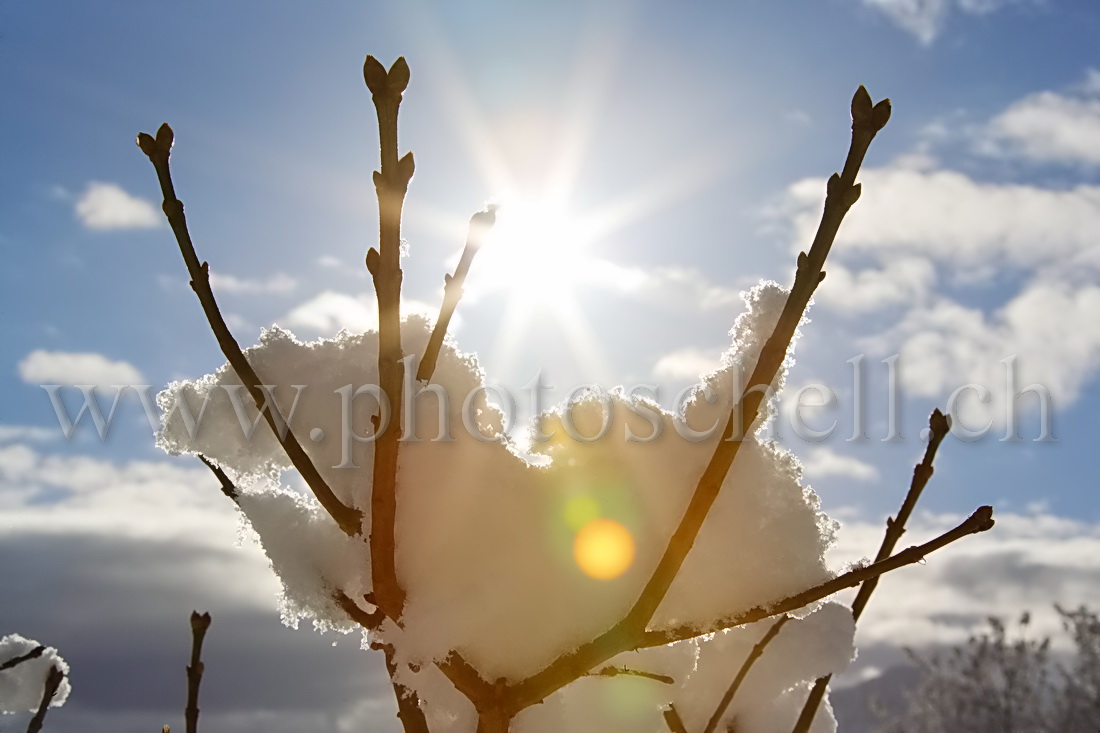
862	108
165	136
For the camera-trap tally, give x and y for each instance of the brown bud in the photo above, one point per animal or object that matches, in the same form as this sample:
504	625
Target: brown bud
147	144
200	622
378	180
939	423
372	261
375	75
833	185
406	166
165	136
853	195
802	260
861	107
880	115
398	78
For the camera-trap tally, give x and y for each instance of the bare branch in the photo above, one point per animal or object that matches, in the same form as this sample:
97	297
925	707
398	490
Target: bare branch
480	223
673	721
938	427
754	654
158	150
980	521
384	264
53	681
623	671
200	622
32	654
842	192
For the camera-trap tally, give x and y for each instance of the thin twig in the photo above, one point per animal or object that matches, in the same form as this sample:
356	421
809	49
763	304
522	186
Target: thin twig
841	193
754	654
368	620
32	654
938	427
228	487
980	521
53	681
158	150
673	721
384	264
480	223
200	622
626	672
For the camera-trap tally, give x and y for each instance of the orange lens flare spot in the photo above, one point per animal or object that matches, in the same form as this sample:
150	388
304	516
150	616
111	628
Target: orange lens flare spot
603	549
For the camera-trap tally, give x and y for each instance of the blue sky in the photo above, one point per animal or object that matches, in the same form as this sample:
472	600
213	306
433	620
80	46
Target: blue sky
686	147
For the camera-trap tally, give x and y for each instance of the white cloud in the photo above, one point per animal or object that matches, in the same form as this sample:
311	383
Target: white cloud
901	281
156	500
12	433
62	367
1039	247
686	364
824	462
1050	127
1091	83
106	206
948	216
925	19
329	311
922	18
278	283
1050	327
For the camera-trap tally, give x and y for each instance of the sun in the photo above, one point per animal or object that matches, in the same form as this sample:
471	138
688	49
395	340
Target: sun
536	254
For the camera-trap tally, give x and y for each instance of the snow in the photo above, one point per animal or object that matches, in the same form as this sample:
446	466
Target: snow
21	686
485	535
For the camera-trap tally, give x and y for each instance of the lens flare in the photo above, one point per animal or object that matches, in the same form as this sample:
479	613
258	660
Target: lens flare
603	549
580	510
